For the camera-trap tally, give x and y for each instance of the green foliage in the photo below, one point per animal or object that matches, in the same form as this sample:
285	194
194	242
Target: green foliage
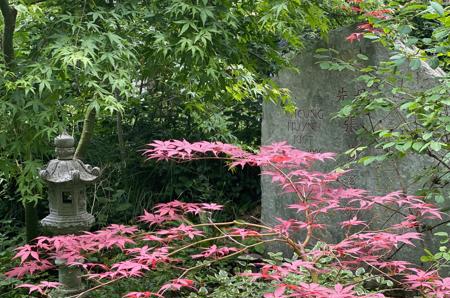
200	51
192	69
439	260
228	283
404	116
72	56
225	280
65	61
11	236
225	285
124	190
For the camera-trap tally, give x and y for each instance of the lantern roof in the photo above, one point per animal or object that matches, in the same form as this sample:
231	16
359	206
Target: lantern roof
66	168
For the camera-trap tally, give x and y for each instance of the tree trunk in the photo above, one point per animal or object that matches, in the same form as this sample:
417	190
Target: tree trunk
31	221
9	19
120	137
86	134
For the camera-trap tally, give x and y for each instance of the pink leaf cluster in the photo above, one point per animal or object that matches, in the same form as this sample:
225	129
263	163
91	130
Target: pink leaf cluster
175	210
215	252
40	288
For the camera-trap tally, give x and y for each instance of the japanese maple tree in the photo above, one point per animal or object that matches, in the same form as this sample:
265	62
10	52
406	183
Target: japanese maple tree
175	238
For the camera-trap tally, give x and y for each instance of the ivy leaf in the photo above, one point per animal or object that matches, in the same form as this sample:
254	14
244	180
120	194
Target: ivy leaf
427	135
362	57
436	146
437	8
405	29
434	62
417	146
415	64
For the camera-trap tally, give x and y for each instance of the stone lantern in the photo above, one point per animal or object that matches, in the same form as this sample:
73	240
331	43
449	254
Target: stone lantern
67	178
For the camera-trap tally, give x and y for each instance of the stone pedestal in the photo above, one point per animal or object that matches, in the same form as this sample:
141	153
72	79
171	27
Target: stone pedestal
70	278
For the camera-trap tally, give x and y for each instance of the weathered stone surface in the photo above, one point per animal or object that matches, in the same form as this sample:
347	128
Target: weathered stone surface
319	94
70	279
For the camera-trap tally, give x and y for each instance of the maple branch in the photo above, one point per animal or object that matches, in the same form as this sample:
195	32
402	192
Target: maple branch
435	226
302	198
440	160
396	251
87	132
82	294
215	238
224	234
227	256
234	222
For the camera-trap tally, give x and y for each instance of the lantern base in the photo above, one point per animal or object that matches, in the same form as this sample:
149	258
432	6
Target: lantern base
64	293
70	279
62	224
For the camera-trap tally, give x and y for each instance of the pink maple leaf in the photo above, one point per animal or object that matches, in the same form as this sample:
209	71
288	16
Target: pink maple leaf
129	268
421	278
141	295
155	219
29	267
121	229
352	222
40	288
153	238
278	293
181	230
177	284
340	291
267	272
215	252
244	232
211	206
26	251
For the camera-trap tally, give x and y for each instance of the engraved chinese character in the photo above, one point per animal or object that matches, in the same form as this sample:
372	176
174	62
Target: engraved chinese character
360	91
342	94
350	124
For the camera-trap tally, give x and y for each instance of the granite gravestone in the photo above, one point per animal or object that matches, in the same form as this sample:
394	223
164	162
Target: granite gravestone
319	94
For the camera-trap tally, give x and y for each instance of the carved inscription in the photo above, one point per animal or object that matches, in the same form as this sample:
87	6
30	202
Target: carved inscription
307	121
303	123
350	124
343	94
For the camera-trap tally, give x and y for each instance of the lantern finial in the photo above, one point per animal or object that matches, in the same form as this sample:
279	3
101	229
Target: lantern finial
64	144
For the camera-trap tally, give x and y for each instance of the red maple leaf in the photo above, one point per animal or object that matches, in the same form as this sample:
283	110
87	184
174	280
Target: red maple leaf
355	36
